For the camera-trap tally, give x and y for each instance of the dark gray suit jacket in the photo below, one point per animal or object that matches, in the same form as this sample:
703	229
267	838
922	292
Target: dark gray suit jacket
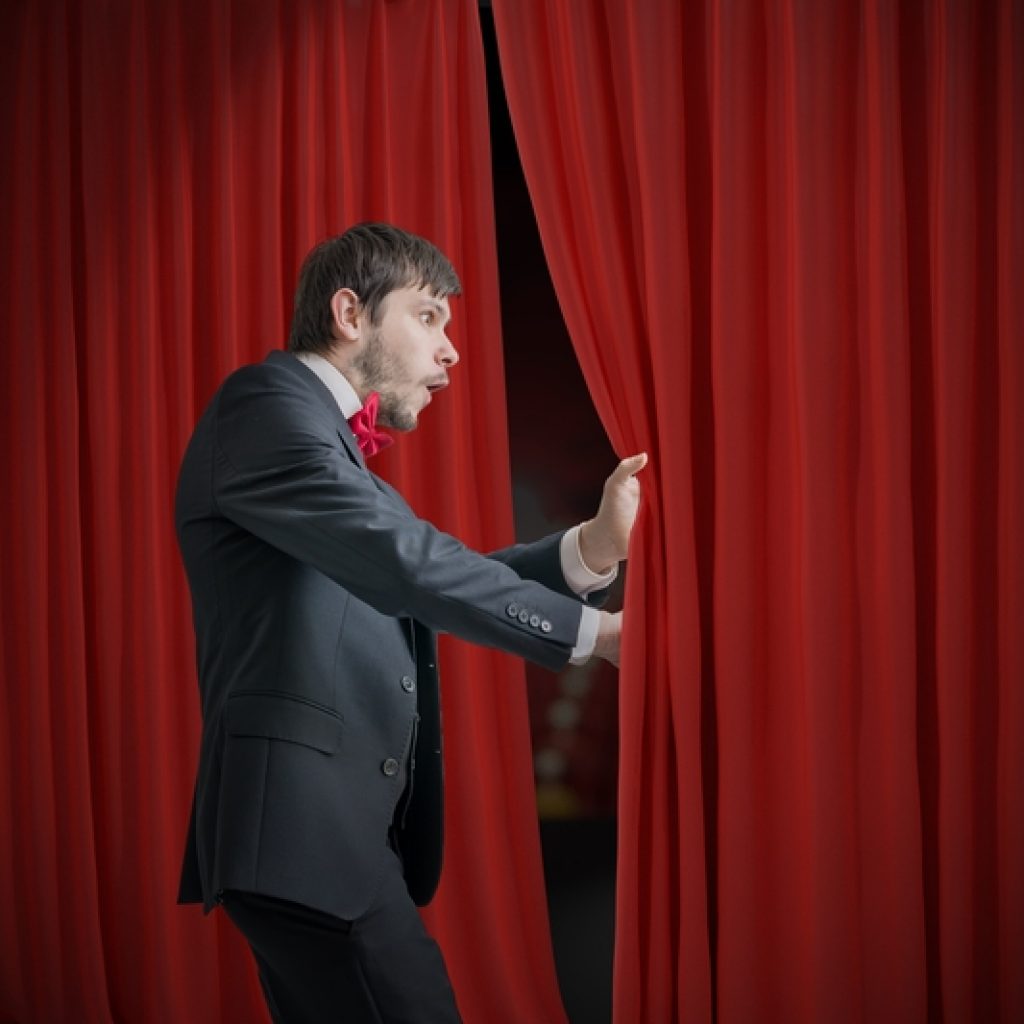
316	594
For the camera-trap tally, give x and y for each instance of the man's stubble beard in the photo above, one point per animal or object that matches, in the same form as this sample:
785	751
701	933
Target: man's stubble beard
378	369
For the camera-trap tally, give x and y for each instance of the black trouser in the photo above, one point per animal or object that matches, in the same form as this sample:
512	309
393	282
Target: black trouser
382	968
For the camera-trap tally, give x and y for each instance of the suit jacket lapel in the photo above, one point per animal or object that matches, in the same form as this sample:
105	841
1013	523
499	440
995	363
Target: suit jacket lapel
348	439
349	443
323	394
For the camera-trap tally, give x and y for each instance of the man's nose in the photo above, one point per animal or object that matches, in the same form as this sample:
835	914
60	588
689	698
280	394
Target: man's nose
448	355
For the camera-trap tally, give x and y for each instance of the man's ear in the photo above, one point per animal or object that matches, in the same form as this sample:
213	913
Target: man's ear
346	315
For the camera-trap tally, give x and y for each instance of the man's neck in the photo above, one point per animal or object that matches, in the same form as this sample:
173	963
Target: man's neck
335	379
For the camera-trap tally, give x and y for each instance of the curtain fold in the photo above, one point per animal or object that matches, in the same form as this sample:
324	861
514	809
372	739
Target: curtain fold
785	238
168	165
590	90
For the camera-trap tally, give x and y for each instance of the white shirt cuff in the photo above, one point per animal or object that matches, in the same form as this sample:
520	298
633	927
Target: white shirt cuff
587	636
580	577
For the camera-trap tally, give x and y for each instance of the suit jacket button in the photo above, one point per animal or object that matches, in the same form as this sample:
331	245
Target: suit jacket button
408	684
545	626
535	621
524	616
512	610
389	767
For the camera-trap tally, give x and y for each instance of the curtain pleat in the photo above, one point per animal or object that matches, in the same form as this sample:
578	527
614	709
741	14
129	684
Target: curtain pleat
786	239
1009	739
168	165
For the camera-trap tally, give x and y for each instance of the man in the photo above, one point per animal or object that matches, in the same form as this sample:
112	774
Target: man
316	596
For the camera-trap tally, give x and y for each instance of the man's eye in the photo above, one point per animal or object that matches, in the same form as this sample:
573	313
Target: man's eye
427	318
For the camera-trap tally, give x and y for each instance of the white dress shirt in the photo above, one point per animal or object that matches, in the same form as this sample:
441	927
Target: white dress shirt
577	573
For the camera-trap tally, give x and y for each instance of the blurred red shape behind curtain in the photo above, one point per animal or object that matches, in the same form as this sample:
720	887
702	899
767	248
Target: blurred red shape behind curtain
787	240
167	167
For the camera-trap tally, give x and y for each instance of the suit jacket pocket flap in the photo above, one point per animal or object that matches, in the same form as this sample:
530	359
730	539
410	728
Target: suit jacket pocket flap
279	717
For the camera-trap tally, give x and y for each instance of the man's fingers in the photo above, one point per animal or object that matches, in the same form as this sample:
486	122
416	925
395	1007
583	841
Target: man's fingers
630	466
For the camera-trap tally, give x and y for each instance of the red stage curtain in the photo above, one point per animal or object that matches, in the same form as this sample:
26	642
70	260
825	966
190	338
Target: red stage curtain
788	239
166	167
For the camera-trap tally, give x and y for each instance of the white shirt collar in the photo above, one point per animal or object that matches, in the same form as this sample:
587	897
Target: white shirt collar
335	381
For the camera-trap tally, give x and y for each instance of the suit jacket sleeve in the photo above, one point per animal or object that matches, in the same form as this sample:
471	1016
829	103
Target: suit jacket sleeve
281	472
542	561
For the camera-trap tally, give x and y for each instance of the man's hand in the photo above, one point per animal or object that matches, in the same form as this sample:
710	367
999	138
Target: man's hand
609	633
604	540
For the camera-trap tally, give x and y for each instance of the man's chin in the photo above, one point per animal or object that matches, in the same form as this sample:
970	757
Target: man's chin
403	422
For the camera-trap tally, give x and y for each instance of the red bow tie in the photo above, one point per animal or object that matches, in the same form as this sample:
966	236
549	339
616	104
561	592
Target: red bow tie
364	426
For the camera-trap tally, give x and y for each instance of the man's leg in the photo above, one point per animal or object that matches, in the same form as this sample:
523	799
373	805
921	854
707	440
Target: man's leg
382	968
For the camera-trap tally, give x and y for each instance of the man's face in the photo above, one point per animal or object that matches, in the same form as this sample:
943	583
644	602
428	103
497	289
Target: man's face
406	356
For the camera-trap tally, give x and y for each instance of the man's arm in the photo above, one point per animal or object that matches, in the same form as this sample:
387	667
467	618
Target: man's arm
281	475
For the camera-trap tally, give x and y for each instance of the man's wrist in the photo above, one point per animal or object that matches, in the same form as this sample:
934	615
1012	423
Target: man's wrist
596	558
608	639
578	575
